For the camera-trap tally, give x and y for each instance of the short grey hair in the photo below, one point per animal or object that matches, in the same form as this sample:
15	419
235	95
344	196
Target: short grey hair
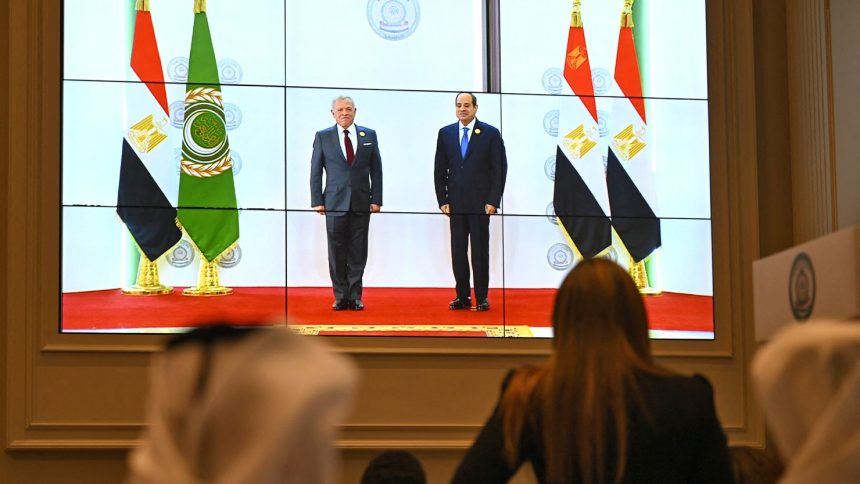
342	98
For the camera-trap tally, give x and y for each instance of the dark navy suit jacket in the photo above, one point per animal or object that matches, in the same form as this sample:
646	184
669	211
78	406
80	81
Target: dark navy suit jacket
479	179
346	187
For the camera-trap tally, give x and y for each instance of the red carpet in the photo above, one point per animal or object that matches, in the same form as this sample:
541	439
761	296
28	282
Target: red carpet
110	310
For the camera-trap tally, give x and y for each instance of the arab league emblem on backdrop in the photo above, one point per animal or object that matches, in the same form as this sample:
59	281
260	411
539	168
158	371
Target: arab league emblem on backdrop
550	123
393	19
182	255
550	214
559	257
801	287
549	168
552	80
231	258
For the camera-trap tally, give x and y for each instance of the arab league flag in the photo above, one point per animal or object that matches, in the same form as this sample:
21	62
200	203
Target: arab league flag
207	197
147	172
580	198
629	169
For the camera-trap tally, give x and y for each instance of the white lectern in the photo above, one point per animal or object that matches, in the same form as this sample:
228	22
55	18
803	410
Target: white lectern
814	280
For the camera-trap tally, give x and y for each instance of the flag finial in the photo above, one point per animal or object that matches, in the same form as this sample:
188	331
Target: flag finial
199	6
141	5
576	15
627	15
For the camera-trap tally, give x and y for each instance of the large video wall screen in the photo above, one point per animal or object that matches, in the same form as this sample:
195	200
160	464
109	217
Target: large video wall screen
632	129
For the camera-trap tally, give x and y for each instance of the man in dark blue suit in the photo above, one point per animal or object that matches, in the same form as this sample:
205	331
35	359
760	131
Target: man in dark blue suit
470	175
349	155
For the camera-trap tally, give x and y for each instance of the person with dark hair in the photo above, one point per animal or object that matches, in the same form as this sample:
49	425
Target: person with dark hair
601	410
469	175
394	467
231	405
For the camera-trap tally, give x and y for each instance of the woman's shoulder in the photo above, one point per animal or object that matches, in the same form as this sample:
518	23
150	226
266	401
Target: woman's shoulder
674	383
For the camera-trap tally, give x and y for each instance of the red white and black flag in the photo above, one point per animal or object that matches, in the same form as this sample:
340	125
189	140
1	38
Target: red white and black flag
148	174
629	168
580	197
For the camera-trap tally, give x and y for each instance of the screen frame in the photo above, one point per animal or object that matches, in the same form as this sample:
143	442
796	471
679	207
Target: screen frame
719	181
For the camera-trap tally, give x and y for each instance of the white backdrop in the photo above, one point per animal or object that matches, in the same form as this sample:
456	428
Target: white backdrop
278	51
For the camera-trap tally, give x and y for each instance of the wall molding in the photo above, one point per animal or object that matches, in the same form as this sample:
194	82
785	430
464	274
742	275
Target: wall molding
810	102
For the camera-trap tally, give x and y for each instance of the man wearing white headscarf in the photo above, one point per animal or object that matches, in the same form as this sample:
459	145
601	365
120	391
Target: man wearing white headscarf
808	381
243	406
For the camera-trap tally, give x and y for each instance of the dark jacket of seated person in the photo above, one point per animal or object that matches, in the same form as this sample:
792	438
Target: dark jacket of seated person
601	411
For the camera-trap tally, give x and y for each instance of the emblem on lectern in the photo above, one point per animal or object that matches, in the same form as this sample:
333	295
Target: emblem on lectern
801	287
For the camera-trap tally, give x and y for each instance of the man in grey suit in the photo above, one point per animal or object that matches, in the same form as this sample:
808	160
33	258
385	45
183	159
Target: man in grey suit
349	156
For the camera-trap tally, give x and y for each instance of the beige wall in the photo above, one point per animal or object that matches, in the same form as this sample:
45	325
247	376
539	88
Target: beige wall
72	404
772	123
845	66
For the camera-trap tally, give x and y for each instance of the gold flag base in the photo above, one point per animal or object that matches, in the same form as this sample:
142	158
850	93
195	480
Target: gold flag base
640	277
649	291
207	291
148	283
208	282
136	290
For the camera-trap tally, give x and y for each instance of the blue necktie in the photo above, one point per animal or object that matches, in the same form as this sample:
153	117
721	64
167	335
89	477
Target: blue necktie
464	142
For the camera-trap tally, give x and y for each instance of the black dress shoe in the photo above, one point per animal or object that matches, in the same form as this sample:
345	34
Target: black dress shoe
340	305
483	305
461	303
357	305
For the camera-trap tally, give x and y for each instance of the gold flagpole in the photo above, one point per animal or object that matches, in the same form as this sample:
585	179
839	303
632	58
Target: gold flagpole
627	15
637	270
208	280
576	14
148	283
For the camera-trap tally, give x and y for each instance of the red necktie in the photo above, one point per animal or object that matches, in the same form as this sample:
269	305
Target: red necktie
350	153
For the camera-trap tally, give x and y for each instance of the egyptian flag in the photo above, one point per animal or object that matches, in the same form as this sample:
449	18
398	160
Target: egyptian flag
147	171
207	195
629	169
580	198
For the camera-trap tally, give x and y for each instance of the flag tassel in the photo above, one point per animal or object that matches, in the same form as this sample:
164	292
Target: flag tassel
141	5
199	6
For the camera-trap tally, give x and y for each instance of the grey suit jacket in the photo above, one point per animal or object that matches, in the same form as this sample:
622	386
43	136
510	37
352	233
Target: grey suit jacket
347	187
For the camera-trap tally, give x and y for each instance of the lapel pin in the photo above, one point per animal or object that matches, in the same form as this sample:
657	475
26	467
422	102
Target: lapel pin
477	130
362	133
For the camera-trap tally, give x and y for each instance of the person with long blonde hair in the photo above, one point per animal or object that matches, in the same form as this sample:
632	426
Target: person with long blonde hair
601	410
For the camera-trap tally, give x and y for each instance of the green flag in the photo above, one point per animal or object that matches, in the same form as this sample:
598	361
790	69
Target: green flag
207	196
